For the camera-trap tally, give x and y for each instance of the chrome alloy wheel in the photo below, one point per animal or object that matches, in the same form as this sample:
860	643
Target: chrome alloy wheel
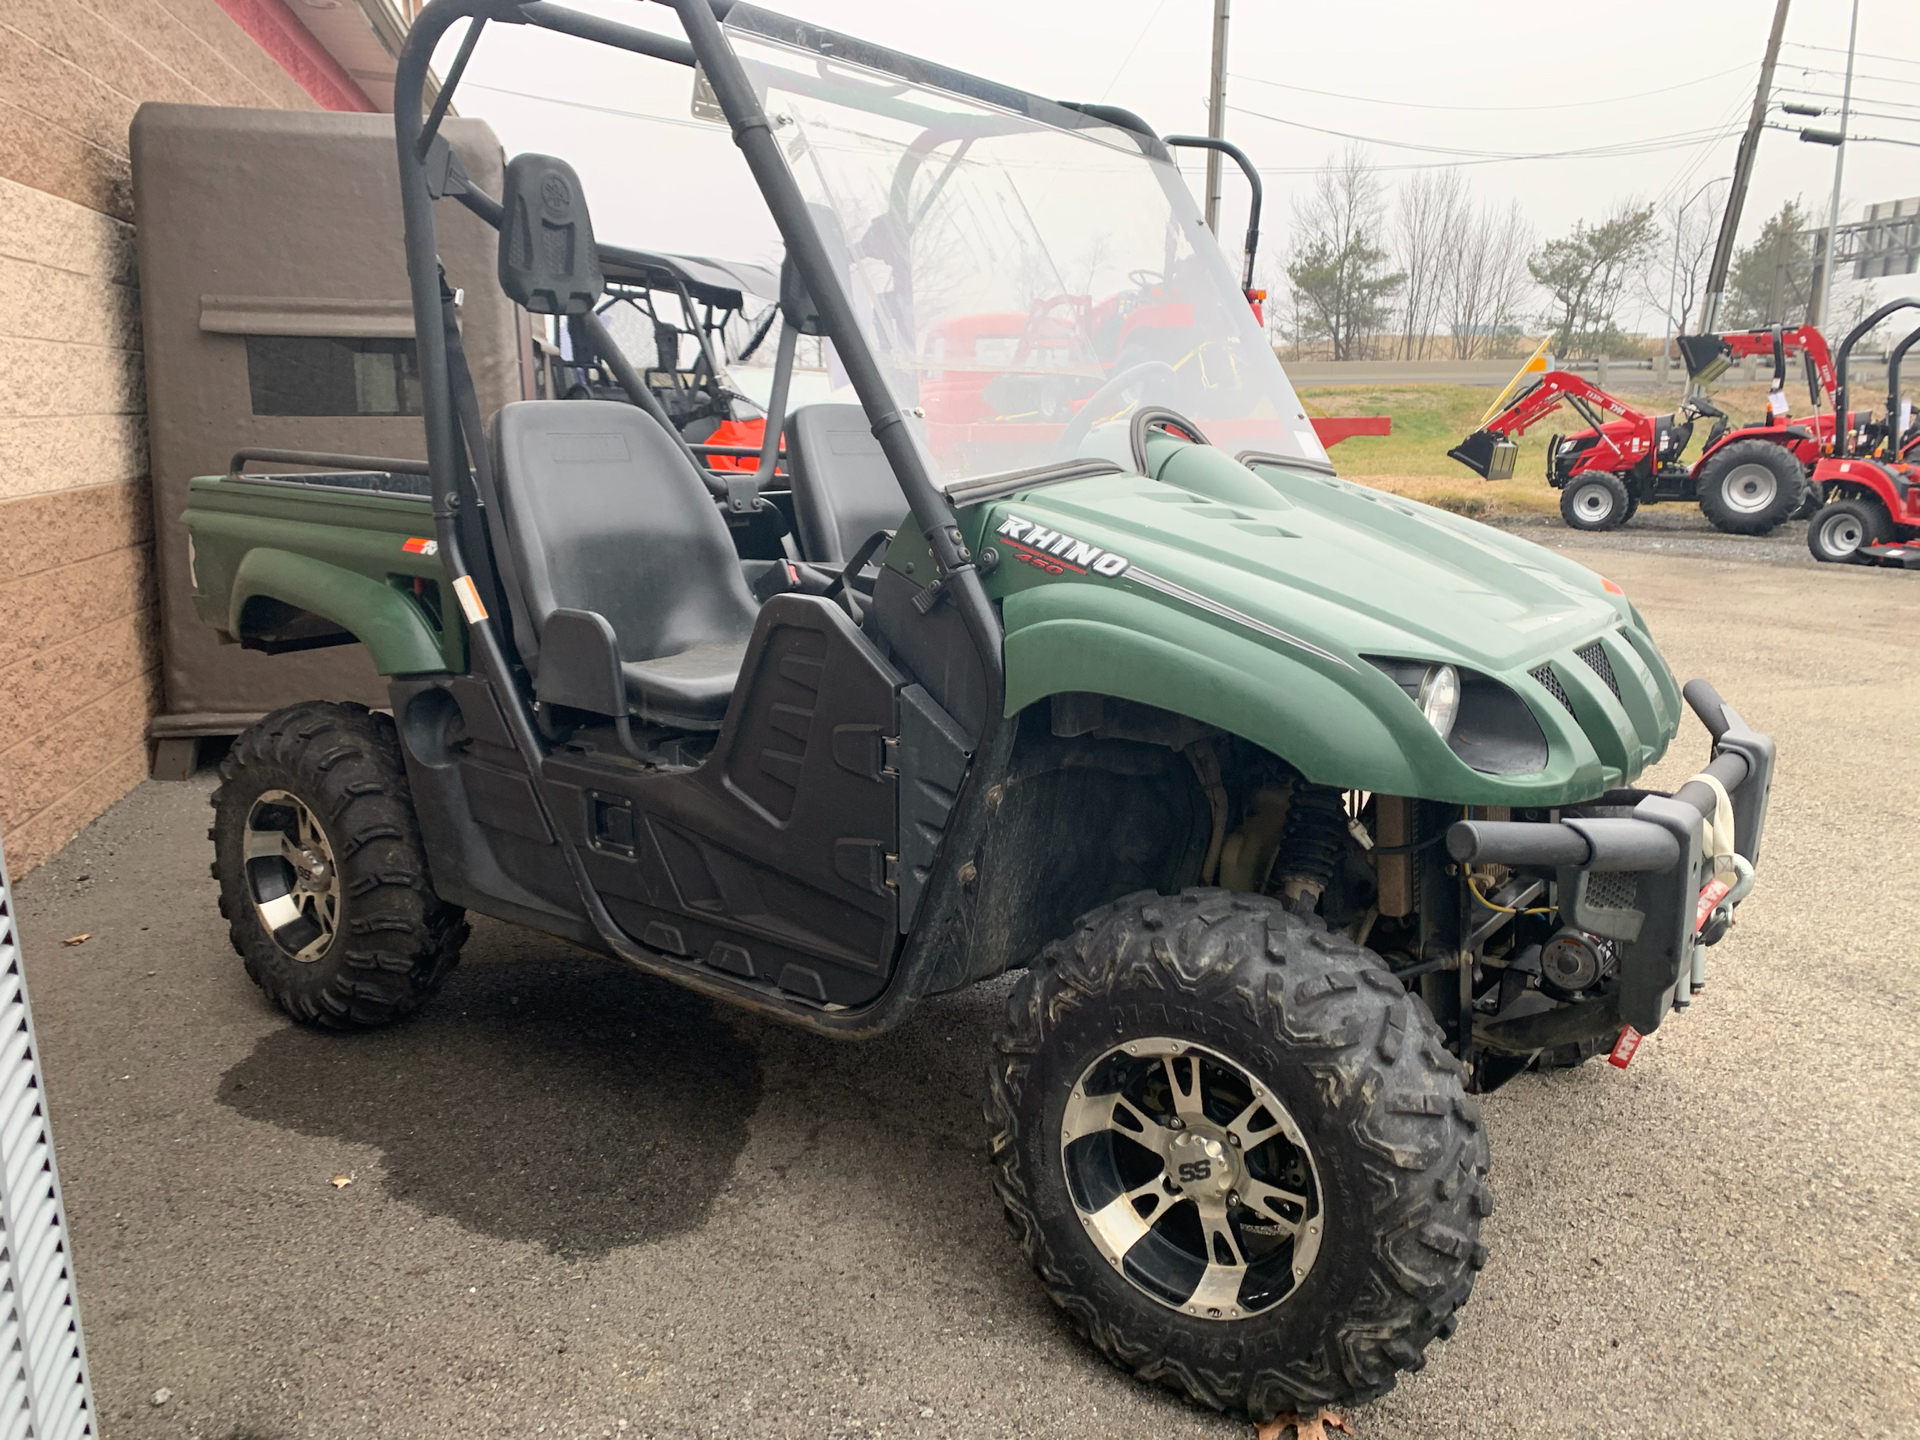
291	876
1749	489
1841	533
1191	1178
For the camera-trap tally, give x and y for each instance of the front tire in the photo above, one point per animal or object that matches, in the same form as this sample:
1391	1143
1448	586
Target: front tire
1594	501
1841	529
323	876
1297	1177
1750	487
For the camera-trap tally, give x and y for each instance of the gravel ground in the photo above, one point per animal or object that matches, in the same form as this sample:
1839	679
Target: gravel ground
585	1204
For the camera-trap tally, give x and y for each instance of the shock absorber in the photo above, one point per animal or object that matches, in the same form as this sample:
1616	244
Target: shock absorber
1310	845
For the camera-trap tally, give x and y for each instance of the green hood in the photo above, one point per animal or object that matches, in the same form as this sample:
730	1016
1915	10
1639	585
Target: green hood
1250	601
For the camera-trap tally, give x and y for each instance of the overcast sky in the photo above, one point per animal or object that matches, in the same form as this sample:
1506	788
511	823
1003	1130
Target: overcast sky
1416	80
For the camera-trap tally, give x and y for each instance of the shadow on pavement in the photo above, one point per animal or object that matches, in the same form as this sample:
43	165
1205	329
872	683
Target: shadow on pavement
559	1100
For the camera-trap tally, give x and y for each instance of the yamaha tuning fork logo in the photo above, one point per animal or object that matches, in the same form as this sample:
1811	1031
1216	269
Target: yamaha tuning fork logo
1056	552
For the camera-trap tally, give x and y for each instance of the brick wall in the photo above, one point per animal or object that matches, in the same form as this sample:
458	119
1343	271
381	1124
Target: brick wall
79	674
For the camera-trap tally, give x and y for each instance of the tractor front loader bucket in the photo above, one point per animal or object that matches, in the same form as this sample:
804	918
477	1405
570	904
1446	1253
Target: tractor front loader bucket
1488	454
1707	357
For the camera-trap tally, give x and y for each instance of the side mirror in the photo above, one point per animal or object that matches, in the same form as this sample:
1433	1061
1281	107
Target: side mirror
580	664
548	260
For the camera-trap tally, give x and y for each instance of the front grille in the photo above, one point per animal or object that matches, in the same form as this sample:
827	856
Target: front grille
1550	682
1610	891
1596	657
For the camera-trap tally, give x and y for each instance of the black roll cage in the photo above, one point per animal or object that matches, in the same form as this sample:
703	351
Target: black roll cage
452	426
1843	428
706	45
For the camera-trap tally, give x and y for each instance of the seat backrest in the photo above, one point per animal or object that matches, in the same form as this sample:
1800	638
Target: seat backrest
605	514
843	487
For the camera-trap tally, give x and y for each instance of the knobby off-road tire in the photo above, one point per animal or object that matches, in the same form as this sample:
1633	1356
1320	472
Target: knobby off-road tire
1750	487
324	785
1595	501
1397	1153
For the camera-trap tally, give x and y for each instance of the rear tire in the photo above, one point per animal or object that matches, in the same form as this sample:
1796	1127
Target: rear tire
1750	487
1385	1149
1595	501
1840	529
323	876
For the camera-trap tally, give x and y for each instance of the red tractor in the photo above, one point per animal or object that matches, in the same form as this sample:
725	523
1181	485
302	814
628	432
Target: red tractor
1868	489
1747	479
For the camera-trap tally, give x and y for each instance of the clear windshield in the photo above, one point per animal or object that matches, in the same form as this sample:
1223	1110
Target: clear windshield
1026	287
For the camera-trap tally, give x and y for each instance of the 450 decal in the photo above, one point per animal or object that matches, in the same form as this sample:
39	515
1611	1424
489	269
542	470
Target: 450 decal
1056	552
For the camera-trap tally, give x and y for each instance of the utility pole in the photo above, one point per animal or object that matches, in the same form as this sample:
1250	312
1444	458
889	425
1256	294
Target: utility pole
1217	111
1742	173
1824	294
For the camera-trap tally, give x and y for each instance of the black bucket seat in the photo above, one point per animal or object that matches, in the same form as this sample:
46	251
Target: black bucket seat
843	488
605	514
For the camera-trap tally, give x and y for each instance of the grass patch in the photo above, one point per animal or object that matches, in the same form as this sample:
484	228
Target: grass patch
1429	420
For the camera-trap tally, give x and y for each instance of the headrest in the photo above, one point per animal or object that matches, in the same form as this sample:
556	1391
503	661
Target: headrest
548	262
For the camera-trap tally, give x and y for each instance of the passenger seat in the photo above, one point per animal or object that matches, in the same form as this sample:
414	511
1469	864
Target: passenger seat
843	487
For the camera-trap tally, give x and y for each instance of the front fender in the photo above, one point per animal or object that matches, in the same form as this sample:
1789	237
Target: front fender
1352	730
379	616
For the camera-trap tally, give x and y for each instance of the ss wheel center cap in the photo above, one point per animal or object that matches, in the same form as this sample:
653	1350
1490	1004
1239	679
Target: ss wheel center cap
1201	1164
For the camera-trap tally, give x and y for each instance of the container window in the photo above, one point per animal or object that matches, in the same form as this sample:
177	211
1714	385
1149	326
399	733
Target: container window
332	375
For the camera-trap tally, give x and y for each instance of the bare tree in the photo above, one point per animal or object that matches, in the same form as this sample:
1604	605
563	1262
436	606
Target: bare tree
1485	286
1427	220
1338	286
1674	284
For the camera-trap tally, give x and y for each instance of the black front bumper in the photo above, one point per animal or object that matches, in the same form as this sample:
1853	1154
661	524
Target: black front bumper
1637	878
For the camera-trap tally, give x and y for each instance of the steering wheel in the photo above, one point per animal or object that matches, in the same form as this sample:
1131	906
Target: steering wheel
1081	425
1145	279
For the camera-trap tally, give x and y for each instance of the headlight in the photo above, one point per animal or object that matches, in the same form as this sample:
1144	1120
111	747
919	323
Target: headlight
1483	722
1439	697
1434	688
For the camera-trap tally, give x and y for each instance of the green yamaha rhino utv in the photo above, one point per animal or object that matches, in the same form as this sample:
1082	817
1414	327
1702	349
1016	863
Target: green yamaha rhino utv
1305	810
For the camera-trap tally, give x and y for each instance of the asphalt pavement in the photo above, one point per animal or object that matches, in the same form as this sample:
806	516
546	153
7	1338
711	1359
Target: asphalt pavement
582	1203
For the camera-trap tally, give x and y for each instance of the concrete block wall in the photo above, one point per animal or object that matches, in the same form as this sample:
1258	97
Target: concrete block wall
79	674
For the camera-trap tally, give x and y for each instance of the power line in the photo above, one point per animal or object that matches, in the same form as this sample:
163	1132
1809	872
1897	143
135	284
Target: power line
1854	139
597	109
1904	80
1644	146
1131	48
1817	95
1833	50
1418	105
1728	122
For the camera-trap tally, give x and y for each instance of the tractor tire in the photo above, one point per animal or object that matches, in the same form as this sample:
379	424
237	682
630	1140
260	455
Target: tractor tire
323	876
1841	529
1190	1081
1633	508
1595	501
1750	487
